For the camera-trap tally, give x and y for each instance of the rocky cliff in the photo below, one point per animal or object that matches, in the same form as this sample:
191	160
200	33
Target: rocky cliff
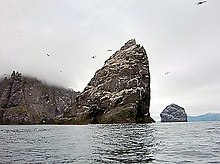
119	92
25	100
173	113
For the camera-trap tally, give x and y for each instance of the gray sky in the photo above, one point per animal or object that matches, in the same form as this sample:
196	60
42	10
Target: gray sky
179	37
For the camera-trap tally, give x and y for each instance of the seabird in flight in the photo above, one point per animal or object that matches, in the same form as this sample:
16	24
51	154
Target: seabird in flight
166	73
200	2
94	57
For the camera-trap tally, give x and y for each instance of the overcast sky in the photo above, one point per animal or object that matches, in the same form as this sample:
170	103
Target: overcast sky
178	35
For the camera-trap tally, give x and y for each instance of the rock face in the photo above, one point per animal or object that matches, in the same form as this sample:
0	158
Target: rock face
119	92
25	100
173	113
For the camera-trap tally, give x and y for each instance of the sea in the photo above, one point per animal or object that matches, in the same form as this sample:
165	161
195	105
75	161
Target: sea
157	143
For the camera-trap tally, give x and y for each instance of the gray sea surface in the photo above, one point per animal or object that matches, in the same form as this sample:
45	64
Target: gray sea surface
195	142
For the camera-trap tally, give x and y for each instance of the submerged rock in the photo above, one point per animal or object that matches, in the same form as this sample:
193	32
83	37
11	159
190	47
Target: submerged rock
119	92
173	113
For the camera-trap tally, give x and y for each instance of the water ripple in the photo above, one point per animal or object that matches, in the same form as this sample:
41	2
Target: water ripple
116	143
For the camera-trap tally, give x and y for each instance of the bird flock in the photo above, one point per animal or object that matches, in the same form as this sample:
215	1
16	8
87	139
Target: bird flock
94	57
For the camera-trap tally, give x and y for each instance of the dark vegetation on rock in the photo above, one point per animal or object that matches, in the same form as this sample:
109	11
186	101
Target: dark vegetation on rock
173	113
118	93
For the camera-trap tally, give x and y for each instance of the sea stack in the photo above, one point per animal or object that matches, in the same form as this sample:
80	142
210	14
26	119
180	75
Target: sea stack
119	92
173	113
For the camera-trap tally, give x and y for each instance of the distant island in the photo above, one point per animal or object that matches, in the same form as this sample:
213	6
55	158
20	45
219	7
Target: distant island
205	117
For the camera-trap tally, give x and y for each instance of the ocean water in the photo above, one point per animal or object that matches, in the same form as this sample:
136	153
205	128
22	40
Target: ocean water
196	142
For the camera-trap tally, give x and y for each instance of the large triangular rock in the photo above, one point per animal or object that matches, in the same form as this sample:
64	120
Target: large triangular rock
119	92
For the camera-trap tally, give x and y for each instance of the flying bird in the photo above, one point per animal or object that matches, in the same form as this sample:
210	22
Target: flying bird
109	50
48	55
166	73
94	57
200	2
61	71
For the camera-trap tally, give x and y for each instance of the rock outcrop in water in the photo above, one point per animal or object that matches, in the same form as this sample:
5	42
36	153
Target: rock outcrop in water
173	113
119	92
25	100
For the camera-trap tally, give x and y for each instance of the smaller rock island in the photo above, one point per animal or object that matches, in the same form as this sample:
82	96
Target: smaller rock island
173	113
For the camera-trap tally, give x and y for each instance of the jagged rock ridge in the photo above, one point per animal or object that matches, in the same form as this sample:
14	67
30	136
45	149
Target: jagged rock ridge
119	92
25	100
173	113
12	95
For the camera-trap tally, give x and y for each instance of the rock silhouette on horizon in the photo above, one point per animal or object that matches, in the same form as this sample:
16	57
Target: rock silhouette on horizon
173	113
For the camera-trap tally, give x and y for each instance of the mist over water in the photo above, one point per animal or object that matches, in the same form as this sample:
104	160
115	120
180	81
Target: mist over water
196	142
